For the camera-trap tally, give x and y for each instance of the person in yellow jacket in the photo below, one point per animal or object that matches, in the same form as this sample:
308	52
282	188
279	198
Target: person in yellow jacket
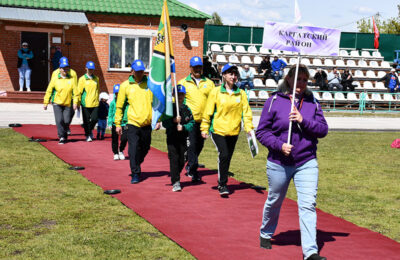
135	92
62	92
226	107
197	88
89	89
73	74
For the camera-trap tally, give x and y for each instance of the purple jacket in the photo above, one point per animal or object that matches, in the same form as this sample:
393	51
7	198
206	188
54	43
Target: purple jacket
273	128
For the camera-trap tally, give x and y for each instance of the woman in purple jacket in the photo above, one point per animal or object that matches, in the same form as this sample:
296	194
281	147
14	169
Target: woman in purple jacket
295	161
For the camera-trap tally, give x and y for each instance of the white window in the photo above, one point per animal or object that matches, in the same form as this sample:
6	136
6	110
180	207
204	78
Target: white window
125	49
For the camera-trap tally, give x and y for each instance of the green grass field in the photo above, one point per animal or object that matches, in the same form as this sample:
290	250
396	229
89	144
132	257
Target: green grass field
50	212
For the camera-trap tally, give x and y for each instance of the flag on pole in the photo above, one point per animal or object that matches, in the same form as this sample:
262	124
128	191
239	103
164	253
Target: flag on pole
297	14
161	66
376	32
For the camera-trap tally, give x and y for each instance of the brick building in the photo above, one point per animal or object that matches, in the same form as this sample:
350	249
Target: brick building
112	33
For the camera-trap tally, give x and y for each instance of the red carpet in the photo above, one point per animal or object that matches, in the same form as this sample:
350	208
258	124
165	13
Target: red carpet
208	226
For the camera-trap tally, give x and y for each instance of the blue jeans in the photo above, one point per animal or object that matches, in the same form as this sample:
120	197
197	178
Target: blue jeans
305	180
24	76
277	76
245	83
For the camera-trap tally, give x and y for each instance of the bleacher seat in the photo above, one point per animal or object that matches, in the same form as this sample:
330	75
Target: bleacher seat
228	48
368	85
284	60
381	74
246	59
351	63
240	49
352	96
340	63
305	61
252	95
215	48
233	59
286	71
317	62
370	74
270	83
221	59
379	85
316	95
276	52
264	51
327	96
385	64
373	64
280	81
358	74
376	97
312	72
292	61
258	83
328	62
339	96
252	69
263	94
362	63
252	49
388	97
343	53
358	84
287	53
354	53
257	60
376	54
365	54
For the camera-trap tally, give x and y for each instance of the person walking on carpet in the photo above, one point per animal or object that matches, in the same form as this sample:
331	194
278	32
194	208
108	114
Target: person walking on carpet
135	92
118	149
297	161
226	107
177	129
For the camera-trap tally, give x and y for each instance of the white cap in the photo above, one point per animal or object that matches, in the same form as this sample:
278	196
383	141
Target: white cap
392	70
25	43
103	95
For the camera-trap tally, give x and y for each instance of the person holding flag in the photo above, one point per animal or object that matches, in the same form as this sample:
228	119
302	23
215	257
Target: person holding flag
296	160
198	88
136	94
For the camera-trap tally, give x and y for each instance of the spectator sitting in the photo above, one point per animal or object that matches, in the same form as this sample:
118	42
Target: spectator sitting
334	80
347	80
391	81
277	66
265	68
246	78
321	79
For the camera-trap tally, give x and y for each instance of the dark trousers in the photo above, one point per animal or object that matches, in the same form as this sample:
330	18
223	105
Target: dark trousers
139	139
115	137
322	85
62	114
72	116
225	147
176	156
196	143
90	117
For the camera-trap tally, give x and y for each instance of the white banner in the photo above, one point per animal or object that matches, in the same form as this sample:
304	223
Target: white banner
303	39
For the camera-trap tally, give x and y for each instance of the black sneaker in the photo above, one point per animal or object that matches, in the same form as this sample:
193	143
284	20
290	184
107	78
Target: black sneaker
196	178
62	140
316	257
265	243
223	190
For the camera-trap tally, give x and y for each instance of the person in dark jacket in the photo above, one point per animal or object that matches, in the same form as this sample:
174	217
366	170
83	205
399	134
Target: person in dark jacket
265	68
347	80
25	56
102	116
55	57
321	79
177	129
296	160
391	81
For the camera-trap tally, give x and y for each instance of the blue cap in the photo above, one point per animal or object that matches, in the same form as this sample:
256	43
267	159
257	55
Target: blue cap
180	88
116	88
227	67
195	61
64	62
138	65
90	65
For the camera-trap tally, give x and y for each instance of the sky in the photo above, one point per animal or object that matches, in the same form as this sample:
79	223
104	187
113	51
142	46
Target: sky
339	14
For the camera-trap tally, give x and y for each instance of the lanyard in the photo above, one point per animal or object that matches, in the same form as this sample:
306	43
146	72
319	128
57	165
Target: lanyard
301	102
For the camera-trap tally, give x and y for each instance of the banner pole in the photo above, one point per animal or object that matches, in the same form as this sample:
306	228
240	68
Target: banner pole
293	97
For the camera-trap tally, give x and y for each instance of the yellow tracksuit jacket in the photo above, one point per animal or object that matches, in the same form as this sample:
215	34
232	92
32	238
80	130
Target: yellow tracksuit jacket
196	96
224	112
139	98
56	72
89	89
62	91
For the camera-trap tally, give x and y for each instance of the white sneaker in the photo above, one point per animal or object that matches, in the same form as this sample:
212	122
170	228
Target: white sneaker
176	186
29	90
20	90
88	139
116	157
121	156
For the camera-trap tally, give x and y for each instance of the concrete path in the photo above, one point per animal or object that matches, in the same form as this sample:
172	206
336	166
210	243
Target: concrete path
34	114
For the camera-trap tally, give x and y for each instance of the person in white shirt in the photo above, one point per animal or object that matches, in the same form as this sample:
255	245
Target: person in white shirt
334	80
246	78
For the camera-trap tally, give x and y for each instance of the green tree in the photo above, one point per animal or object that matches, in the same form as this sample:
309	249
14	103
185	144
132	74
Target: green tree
390	26
215	20
238	24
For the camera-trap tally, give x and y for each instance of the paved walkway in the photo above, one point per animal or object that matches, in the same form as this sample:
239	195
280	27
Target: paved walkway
34	114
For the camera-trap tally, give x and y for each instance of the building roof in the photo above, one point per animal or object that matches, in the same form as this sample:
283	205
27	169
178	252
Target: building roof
137	7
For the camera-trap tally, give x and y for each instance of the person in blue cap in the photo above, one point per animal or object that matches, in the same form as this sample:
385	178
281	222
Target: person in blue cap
25	56
135	92
177	130
197	88
89	90
116	146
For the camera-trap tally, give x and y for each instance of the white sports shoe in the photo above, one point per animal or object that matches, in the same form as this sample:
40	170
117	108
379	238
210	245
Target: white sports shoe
116	157
176	186
88	139
121	156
